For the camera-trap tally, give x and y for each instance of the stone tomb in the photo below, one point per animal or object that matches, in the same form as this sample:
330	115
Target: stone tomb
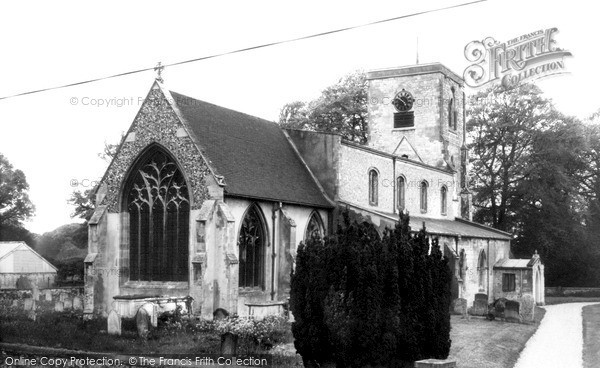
480	305
527	308
459	306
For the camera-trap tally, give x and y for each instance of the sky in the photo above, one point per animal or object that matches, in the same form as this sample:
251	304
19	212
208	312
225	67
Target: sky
54	137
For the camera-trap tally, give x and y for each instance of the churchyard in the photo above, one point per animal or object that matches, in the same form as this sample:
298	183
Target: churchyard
476	342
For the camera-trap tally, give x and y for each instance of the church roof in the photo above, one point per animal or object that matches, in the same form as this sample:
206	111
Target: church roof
458	226
254	155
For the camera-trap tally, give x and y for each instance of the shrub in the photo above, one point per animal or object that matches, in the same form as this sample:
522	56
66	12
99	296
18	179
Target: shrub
362	300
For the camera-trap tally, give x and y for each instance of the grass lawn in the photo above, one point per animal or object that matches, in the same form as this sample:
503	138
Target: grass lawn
550	300
591	336
478	343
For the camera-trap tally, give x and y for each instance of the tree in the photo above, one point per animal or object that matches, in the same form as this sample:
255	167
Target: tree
501	126
15	205
341	108
534	175
84	203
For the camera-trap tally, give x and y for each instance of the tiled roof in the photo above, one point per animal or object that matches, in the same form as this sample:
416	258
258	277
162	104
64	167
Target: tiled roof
512	263
458	227
253	154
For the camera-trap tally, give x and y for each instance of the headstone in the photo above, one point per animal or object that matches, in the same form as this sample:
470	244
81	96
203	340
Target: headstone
77	303
28	304
35	292
59	307
142	320
459	306
113	323
32	315
527	309
68	303
219	314
23	283
480	305
152	310
511	312
229	344
48	296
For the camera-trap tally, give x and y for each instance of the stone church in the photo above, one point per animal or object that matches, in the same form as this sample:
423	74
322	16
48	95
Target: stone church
208	205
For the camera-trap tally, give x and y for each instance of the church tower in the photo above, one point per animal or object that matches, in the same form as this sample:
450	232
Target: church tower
418	113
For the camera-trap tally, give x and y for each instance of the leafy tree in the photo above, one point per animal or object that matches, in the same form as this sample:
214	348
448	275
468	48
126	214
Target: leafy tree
84	203
535	176
15	205
341	108
502	125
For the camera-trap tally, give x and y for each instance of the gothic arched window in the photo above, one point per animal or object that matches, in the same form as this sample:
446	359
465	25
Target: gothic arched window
157	201
252	242
373	187
423	192
444	199
400	192
315	228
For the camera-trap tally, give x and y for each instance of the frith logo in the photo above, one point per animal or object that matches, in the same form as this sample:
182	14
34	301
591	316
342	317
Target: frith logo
525	58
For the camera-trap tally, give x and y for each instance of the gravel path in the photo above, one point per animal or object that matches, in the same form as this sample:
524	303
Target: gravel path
558	342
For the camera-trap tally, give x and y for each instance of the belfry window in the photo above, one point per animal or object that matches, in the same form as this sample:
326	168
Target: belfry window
252	243
373	187
157	202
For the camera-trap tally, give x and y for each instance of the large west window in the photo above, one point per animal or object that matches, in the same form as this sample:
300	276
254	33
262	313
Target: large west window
157	202
252	242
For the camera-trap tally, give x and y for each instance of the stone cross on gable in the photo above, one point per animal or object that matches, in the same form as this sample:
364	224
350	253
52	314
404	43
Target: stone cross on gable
158	69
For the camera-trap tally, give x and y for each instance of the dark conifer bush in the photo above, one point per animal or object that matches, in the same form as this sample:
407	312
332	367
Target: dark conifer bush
360	299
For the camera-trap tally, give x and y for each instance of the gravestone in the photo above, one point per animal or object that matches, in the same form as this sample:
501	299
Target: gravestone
480	305
229	344
219	314
32	315
459	306
511	311
527	308
113	323
35	292
48	296
59	307
77	303
68	303
23	283
142	321
28	304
